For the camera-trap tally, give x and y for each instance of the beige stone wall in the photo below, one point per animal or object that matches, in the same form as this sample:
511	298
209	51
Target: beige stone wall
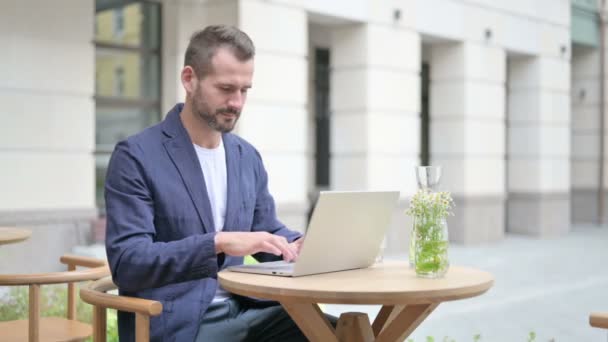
47	127
47	113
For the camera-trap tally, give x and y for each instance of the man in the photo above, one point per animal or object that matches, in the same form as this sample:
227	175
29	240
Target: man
185	199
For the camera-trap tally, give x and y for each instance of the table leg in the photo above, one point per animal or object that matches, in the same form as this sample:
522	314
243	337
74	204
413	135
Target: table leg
405	320
354	327
385	316
311	320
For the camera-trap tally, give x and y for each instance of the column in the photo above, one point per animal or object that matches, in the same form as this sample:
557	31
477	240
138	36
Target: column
467	113
275	118
375	108
539	146
585	134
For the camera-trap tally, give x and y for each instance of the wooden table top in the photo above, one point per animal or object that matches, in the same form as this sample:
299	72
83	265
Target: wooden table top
388	283
12	235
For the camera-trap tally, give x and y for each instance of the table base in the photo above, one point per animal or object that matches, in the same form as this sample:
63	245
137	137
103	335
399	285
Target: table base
393	322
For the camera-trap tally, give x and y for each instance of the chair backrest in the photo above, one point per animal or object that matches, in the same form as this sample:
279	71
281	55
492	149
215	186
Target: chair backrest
96	294
599	319
96	269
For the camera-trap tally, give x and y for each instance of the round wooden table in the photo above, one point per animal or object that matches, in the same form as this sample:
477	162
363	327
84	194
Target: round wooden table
12	235
406	299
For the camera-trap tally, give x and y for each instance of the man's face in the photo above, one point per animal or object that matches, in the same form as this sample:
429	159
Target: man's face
219	97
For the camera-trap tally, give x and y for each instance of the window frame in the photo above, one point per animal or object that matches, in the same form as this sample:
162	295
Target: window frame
102	152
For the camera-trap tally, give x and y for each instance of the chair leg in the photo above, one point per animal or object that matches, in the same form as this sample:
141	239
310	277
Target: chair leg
34	314
99	324
142	328
72	290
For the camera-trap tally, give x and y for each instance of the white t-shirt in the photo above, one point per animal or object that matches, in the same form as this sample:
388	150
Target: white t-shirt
213	164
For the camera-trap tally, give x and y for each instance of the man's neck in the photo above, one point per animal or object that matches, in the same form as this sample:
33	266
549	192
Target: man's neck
200	133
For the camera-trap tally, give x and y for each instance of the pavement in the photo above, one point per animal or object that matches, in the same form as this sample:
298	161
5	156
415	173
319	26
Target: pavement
543	289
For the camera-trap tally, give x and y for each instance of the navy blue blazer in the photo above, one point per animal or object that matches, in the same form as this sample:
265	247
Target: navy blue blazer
160	230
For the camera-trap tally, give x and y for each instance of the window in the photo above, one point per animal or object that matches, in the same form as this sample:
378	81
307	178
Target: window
128	69
425	152
119	81
322	119
119	21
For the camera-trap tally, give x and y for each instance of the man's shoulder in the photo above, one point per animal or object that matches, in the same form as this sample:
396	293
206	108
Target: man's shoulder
153	132
153	136
148	137
245	145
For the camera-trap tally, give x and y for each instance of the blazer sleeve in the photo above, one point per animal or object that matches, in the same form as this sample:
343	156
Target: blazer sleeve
136	260
265	217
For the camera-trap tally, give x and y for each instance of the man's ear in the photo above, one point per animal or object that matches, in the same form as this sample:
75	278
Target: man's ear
189	79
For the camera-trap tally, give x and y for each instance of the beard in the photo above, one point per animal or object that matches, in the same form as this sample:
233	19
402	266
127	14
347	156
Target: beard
222	120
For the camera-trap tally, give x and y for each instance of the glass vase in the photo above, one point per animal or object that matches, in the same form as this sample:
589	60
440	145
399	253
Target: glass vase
428	178
430	239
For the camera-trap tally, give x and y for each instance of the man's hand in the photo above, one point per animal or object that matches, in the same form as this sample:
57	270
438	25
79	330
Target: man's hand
246	243
297	245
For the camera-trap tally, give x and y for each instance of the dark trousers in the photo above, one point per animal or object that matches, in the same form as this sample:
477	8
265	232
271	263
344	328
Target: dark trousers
232	320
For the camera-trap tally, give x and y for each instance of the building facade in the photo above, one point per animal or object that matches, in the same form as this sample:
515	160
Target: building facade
348	95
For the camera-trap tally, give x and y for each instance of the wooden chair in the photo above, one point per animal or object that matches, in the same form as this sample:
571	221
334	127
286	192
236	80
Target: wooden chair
95	294
36	329
599	319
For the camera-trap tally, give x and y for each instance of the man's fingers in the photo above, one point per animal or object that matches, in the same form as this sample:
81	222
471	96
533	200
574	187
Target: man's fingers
241	243
295	250
297	245
283	245
269	247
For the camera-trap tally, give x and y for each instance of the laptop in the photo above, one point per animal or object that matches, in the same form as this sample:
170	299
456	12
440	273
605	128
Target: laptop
345	232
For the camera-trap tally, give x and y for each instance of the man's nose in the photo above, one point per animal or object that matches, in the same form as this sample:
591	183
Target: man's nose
236	100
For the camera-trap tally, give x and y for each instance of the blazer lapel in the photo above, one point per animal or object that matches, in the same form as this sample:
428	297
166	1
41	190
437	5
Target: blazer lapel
182	153
233	167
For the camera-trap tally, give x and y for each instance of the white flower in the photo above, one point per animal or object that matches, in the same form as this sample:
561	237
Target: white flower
426	203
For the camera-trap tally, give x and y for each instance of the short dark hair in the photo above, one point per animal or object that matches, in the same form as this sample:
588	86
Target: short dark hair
205	43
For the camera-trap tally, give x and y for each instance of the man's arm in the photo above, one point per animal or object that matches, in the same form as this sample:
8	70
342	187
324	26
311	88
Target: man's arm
265	217
269	238
138	261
